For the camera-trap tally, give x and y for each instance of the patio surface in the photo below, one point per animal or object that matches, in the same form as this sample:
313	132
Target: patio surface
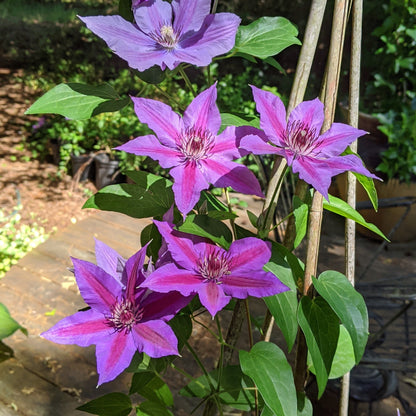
46	379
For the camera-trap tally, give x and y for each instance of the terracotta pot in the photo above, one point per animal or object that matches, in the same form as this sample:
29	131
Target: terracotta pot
386	218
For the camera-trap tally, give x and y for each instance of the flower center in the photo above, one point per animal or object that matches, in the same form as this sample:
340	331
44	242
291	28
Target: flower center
167	38
214	266
301	138
195	144
124	315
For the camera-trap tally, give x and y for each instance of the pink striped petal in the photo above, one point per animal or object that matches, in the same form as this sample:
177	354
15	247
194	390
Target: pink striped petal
188	184
222	173
83	329
166	124
213	298
150	146
272	115
203	114
155	338
114	355
249	253
310	113
257	283
335	140
99	289
169	278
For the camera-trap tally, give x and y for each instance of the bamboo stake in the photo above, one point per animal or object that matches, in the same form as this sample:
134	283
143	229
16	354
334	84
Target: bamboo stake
303	69
354	94
315	217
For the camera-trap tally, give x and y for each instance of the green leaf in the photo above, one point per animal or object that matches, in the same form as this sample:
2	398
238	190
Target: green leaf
266	37
112	404
235	390
182	327
283	306
150	196
153	75
344	359
320	326
151	234
266	364
152	409
348	304
368	184
228	119
301	213
271	61
78	101
208	227
8	325
340	207
151	387
304	405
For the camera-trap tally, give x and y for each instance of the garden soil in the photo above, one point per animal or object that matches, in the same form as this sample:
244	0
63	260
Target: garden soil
31	188
54	202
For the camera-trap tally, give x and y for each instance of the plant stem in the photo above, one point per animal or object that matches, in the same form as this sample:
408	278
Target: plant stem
187	81
354	95
232	222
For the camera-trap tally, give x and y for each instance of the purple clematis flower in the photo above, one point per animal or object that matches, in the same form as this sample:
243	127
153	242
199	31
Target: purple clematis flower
124	318
192	148
314	156
166	34
215	274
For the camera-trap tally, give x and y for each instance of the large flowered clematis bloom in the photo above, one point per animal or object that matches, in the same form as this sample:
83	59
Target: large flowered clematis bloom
166	34
316	157
192	148
124	318
212	272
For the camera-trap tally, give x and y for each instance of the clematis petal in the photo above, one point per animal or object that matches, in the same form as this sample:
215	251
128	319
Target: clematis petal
155	338
83	328
166	124
186	249
226	144
190	14
272	115
203	114
98	288
134	271
216	37
311	113
163	305
222	173
152	15
169	278
213	297
114	354
150	146
124	39
256	283
108	259
335	140
258	146
249	253
188	184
